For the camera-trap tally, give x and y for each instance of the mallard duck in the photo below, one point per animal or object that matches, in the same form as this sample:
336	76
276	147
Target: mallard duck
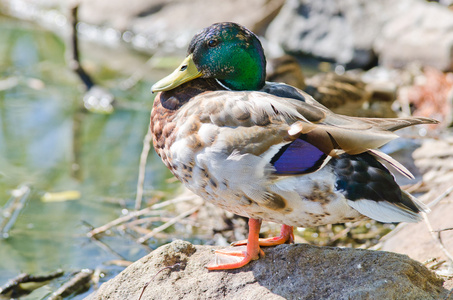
269	151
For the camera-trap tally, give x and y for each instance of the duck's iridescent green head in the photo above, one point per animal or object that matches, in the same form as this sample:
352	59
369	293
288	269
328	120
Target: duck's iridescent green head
227	52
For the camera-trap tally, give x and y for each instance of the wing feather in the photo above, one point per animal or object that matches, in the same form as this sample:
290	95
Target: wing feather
291	117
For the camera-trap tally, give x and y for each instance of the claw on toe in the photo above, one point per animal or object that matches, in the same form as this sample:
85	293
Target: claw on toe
233	258
247	250
233	251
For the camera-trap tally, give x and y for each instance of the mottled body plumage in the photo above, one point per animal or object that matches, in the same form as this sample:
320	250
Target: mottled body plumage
220	145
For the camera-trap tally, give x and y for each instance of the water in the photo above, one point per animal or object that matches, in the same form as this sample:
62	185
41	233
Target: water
48	143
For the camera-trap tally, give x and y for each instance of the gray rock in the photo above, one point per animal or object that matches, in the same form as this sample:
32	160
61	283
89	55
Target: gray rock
435	160
343	31
298	271
418	31
172	24
355	31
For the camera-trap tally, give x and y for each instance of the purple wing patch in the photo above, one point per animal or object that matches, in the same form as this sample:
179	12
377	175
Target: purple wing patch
298	157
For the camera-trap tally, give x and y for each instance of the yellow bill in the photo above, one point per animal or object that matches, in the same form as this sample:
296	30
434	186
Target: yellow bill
185	72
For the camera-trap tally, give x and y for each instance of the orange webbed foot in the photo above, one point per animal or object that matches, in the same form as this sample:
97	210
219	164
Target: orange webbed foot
233	258
240	255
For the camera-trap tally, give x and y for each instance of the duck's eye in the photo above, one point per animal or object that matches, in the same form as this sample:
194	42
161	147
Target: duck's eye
212	43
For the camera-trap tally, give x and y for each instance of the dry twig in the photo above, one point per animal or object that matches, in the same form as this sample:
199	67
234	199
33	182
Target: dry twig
441	197
168	224
146	211
436	238
152	278
142	167
107	248
12	209
74	57
79	281
14	288
119	221
445	229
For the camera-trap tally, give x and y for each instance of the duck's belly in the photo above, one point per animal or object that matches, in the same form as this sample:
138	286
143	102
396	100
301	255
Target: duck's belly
301	201
304	215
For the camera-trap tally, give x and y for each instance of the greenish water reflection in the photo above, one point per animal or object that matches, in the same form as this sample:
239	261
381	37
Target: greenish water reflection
50	144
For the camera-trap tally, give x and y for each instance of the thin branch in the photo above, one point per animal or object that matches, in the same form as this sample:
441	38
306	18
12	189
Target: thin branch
107	248
74	57
135	214
143	221
168	224
339	235
119	221
12	209
154	276
441	197
159	219
16	285
181	198
436	238
445	229
437	265
142	167
138	229
389	235
78	282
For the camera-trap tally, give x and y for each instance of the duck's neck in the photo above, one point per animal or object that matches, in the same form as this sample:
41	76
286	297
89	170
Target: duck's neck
249	74
246	82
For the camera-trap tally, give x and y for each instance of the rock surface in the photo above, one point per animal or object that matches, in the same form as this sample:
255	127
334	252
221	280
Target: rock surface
355	31
417	31
296	271
172	24
435	160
